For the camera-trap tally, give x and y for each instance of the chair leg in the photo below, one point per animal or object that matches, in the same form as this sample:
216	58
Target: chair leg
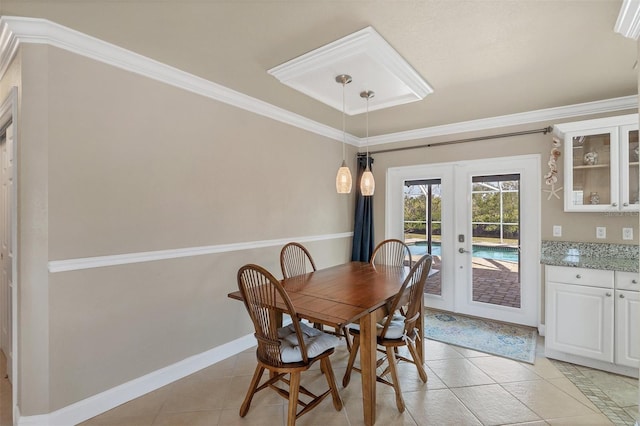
352	358
345	333
257	374
416	361
331	381
391	359
294	387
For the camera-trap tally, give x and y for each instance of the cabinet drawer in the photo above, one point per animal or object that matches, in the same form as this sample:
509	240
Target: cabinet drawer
628	281
580	276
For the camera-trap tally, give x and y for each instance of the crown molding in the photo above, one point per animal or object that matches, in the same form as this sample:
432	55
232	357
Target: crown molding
628	22
17	30
549	114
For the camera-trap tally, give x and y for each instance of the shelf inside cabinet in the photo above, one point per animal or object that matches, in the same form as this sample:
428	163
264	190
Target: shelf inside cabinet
592	166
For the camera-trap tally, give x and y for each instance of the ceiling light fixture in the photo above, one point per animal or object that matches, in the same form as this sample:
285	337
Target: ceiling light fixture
367	184
343	178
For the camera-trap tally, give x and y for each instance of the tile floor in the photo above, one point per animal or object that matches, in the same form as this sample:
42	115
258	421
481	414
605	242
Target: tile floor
464	388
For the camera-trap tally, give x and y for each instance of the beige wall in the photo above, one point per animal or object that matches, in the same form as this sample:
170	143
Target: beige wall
114	163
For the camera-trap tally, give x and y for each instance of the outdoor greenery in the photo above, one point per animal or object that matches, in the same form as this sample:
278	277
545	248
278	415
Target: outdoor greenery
485	212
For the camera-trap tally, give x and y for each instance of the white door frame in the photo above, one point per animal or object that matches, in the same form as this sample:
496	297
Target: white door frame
451	298
9	111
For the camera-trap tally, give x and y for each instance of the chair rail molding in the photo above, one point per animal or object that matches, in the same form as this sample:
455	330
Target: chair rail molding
149	256
17	30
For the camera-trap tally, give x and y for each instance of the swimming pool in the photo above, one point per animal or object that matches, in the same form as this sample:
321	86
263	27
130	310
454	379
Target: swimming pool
508	254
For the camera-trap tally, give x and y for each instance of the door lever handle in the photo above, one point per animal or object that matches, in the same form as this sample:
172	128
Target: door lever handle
461	250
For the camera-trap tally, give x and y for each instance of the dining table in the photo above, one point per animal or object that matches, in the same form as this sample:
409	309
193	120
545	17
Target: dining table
351	293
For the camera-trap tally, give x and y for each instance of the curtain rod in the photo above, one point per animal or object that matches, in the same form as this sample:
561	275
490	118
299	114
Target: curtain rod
544	130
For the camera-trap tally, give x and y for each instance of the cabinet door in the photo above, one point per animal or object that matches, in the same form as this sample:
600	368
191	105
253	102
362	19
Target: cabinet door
627	323
579	320
591	169
629	150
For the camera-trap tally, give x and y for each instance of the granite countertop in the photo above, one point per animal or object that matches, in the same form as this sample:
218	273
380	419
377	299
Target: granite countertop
613	257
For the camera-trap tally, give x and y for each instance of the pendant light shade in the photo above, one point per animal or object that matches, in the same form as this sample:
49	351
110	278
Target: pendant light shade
343	178
367	183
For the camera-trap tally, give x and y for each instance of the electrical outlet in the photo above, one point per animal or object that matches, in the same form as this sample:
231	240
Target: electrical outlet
601	232
627	233
557	231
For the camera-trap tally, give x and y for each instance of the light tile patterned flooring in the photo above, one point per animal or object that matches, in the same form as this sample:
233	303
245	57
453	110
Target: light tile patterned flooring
465	387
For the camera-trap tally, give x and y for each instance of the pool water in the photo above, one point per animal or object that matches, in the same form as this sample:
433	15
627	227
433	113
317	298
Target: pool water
498	253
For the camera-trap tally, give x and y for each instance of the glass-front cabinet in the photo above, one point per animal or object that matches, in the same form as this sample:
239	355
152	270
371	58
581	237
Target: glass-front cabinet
601	164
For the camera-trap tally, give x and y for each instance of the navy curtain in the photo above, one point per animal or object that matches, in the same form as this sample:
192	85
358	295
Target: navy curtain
363	224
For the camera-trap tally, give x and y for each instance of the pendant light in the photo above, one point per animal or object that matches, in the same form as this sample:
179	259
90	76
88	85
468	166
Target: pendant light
367	184
343	178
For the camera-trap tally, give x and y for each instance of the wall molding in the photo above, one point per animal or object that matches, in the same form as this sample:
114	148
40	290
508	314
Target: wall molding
111	398
17	30
150	256
628	22
542	115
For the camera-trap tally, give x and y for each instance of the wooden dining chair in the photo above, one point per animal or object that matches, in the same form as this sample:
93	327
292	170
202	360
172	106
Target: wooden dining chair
397	330
296	260
284	351
391	252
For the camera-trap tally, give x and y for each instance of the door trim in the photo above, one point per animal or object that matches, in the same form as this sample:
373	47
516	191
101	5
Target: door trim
9	111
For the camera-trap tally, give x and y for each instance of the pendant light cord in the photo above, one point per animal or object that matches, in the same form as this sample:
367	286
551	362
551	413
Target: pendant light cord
367	165
344	135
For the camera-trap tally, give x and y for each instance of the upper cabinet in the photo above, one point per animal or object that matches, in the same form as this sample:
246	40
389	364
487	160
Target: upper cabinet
601	164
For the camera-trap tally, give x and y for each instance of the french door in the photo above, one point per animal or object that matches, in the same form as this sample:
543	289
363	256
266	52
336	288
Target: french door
480	221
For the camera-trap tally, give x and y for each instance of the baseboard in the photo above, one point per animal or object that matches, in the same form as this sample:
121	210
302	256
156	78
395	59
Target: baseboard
107	400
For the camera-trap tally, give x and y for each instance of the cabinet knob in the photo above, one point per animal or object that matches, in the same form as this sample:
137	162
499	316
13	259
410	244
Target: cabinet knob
634	281
621	296
614	204
626	204
608	294
578	276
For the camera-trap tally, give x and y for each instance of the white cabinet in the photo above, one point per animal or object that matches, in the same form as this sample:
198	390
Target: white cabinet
579	312
627	310
593	318
601	164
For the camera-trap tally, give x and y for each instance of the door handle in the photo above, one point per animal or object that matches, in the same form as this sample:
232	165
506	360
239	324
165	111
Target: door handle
462	250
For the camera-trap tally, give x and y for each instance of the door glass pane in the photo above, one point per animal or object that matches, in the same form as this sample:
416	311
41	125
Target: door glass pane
423	225
633	166
591	169
495	223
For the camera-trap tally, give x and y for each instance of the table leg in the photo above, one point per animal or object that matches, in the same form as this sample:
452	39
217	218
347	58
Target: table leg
368	367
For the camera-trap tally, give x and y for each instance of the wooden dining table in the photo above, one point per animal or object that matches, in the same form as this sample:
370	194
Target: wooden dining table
354	292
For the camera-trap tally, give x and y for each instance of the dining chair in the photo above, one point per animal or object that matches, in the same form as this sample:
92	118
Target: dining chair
283	351
296	260
396	330
391	252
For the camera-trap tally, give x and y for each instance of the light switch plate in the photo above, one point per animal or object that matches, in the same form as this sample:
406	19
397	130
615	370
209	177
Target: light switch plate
627	233
557	231
601	232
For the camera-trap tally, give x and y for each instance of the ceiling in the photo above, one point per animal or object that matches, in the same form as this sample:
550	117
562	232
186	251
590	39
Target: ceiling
482	58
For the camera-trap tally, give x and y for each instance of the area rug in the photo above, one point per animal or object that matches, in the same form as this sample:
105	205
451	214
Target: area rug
496	338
